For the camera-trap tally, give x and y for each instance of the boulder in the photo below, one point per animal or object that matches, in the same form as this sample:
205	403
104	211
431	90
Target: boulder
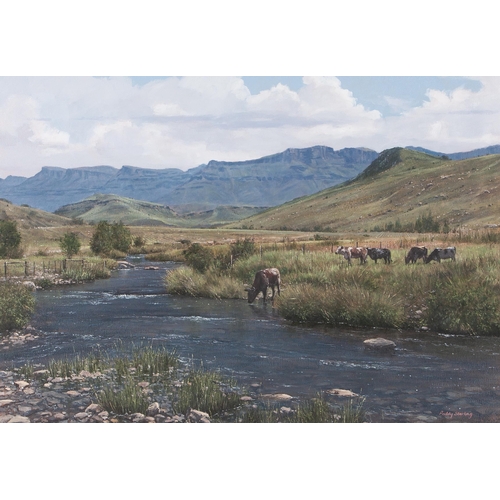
379	343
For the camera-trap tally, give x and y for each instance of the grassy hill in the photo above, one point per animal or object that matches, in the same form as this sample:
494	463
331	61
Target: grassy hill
117	208
132	212
29	218
400	185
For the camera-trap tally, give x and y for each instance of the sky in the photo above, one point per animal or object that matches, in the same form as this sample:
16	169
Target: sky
65	100
184	121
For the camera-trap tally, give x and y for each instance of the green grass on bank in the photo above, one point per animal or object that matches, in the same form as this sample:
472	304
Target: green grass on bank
461	297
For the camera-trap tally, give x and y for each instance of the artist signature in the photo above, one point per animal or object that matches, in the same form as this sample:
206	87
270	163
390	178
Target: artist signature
455	414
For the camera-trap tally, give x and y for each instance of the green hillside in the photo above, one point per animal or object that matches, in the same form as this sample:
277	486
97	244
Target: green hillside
29	218
119	209
399	186
132	212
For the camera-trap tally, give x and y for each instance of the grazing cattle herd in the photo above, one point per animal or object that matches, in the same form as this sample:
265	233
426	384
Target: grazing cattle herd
270	277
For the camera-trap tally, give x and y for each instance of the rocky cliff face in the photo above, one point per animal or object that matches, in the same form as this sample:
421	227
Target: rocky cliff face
263	182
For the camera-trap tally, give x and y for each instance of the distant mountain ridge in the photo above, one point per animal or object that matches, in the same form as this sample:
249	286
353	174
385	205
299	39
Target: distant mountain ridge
263	182
490	150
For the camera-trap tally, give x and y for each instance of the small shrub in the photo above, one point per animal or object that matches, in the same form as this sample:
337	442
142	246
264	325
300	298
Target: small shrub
17	305
70	244
10	240
198	257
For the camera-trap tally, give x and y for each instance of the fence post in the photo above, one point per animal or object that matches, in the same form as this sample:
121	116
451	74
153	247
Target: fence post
64	264
26	268
303	248
231	260
5	268
261	252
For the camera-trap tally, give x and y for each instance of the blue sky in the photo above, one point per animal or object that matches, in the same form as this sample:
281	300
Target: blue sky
182	122
55	113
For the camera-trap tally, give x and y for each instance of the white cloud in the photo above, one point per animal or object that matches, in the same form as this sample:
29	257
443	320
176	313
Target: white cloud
185	121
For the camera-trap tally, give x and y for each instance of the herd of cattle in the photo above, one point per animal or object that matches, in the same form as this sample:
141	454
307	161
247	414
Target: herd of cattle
414	254
271	277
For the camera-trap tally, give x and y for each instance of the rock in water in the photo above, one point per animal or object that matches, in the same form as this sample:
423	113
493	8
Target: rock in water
379	342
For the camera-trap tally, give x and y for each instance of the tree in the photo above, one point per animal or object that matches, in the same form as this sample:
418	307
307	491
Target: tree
10	240
70	244
108	237
198	257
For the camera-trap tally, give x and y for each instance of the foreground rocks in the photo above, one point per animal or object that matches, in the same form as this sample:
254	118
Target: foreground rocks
45	399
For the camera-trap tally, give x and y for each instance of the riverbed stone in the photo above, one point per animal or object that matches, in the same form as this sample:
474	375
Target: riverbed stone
19	419
153	409
198	417
21	384
279	397
5	402
346	393
379	342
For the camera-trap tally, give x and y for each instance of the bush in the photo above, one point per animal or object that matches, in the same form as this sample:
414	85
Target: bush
243	248
108	237
17	304
10	240
70	244
198	257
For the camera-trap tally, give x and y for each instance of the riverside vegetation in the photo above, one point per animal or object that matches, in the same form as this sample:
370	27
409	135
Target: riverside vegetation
151	385
461	297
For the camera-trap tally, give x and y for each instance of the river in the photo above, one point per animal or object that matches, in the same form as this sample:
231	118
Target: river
427	377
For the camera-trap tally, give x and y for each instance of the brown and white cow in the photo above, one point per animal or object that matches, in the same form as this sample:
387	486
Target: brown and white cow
353	253
416	253
439	254
264	278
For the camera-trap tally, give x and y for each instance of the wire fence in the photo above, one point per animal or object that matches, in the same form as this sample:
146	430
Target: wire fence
19	268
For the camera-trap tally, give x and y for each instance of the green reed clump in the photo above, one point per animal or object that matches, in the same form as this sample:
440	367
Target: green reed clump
26	370
17	305
65	368
314	410
150	362
345	305
128	399
187	281
464	305
206	391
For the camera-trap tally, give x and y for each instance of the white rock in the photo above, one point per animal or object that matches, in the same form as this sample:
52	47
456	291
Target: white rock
379	342
342	392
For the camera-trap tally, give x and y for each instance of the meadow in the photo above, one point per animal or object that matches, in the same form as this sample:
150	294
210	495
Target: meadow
318	286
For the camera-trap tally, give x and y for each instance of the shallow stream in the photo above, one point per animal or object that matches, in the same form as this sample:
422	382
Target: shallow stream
428	377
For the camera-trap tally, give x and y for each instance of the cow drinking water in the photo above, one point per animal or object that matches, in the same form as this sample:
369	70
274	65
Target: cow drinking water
264	278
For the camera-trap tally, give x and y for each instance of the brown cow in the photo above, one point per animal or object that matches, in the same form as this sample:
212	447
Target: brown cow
263	279
416	253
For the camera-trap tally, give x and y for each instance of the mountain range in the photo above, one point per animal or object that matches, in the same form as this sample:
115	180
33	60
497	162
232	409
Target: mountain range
262	182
